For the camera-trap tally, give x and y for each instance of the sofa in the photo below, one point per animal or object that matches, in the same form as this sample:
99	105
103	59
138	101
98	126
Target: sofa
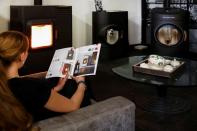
113	114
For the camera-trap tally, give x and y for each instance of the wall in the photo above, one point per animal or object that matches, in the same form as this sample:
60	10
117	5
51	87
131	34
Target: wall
82	16
5	11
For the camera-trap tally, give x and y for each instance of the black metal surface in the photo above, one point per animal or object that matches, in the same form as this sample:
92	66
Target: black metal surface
61	16
103	20
37	2
188	5
171	19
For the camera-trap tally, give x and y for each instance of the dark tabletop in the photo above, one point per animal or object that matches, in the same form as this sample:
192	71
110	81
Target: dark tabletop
186	77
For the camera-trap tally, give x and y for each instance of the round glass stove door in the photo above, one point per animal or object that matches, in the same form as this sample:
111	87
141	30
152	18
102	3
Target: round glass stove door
168	35
112	36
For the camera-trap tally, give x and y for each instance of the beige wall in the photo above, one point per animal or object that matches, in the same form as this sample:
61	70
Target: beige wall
82	16
5	11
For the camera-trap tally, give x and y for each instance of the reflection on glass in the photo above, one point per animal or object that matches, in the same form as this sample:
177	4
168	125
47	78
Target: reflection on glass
168	35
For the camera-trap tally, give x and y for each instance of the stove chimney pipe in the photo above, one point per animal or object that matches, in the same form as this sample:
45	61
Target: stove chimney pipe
167	3
37	2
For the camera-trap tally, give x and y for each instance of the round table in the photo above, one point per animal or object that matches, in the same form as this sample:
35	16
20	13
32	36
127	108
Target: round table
185	78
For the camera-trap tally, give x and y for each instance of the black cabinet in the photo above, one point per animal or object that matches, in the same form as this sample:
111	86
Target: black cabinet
189	5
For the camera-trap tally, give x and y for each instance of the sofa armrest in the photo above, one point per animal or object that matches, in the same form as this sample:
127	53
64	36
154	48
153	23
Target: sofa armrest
37	75
114	114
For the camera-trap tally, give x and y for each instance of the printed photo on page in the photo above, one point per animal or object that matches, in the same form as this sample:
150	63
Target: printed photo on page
61	63
86	60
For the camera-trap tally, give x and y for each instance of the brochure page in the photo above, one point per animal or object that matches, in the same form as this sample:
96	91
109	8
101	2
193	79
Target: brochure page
76	62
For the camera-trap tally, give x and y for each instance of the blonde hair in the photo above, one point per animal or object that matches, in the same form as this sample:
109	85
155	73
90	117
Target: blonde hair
13	115
12	44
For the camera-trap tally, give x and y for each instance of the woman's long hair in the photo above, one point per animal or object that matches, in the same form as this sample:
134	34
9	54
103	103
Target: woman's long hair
13	117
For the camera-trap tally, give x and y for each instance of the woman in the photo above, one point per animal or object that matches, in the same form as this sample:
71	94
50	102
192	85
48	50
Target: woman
13	116
36	95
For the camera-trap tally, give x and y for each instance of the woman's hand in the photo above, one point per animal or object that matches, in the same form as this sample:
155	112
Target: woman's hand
79	78
61	83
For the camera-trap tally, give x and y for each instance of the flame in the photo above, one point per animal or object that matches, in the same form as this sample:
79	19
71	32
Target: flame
41	36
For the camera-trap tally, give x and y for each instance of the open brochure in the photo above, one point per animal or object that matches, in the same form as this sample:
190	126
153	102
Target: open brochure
81	61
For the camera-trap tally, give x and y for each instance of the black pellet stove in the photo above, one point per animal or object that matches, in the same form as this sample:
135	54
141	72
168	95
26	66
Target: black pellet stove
169	31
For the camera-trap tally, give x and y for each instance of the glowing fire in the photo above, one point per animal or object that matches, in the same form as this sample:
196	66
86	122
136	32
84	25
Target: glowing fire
41	36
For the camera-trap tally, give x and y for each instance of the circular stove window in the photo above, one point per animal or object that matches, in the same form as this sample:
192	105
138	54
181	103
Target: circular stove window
111	34
168	35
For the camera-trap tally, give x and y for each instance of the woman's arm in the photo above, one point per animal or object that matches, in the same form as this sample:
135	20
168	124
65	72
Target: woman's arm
60	103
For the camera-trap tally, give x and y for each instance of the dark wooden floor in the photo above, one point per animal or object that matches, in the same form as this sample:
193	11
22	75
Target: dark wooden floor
106	84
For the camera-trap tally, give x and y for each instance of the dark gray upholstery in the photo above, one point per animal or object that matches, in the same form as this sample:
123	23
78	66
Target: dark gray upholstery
113	114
